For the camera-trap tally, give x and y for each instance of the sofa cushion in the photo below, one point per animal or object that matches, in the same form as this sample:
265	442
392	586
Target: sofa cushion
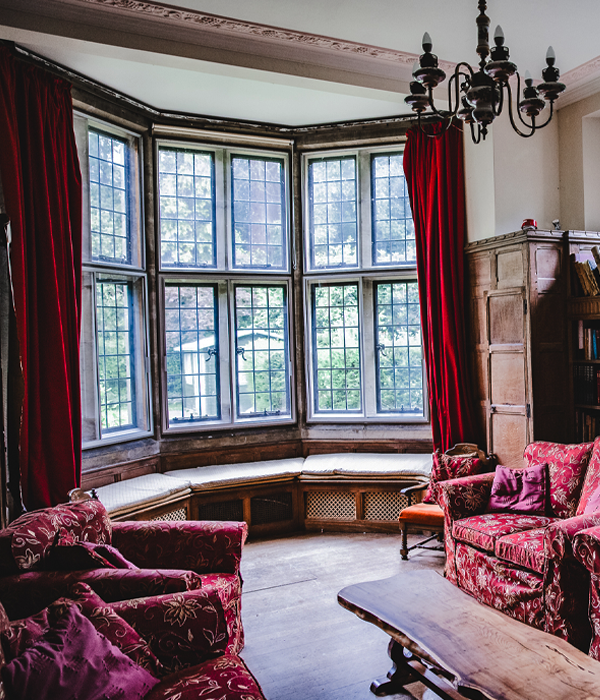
483	531
591	483
354	465
24	633
446	467
145	490
73	661
25	542
519	490
567	465
524	549
225	678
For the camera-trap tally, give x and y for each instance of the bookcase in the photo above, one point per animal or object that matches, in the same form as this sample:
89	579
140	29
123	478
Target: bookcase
584	339
518	340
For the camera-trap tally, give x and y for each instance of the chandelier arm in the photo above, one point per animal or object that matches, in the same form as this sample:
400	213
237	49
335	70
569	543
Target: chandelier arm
475	139
541	126
531	126
514	125
500	106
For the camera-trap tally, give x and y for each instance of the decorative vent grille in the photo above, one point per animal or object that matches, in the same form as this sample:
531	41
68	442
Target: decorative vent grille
179	514
225	510
329	505
272	508
384	505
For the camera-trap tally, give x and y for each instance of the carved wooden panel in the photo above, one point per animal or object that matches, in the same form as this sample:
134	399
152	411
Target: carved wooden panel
509	268
548	269
505	313
508	379
509	436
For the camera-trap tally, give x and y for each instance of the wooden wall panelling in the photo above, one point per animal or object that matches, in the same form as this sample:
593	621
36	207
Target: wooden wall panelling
102	476
231	455
319	447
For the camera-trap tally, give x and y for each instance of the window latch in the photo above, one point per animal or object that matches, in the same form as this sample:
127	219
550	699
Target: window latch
242	352
381	348
210	352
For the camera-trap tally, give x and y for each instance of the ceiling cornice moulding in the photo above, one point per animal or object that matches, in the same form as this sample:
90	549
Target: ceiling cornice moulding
227	25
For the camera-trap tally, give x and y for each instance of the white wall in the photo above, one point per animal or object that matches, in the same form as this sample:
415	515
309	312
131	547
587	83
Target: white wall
510	178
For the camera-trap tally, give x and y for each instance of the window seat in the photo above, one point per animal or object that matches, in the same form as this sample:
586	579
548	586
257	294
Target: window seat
350	491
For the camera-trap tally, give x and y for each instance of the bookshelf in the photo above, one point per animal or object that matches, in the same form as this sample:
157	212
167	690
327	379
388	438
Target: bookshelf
583	310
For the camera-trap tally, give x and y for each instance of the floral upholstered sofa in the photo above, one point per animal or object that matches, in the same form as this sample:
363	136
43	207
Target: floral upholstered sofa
523	563
44	552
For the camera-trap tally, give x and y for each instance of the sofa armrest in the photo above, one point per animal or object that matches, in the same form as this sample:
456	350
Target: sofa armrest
200	546
559	536
586	548
182	629
566	581
466	496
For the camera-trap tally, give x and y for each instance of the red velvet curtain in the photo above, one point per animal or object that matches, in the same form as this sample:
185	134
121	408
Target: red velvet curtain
434	172
41	182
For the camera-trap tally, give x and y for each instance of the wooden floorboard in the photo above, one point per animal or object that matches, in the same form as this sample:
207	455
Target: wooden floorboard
300	643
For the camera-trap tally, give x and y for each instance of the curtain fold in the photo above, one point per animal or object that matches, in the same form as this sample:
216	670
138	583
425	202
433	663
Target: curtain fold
434	172
41	180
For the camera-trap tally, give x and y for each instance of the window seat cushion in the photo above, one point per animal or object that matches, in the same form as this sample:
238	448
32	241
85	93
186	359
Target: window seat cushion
222	475
367	465
146	490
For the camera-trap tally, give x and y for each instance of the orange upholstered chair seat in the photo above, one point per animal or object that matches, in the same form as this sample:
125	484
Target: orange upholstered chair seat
428	515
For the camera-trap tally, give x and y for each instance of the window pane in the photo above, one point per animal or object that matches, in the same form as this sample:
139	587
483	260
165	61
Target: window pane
192	353
109	208
258	213
398	342
336	348
332	213
393	229
114	314
261	343
187	208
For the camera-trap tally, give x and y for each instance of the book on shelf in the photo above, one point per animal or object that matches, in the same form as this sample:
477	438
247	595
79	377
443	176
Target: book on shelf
588	273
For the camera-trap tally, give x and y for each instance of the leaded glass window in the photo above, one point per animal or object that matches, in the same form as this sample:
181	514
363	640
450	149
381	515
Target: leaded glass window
261	347
333	221
398	343
109	211
115	353
192	353
187	208
258	213
336	348
393	228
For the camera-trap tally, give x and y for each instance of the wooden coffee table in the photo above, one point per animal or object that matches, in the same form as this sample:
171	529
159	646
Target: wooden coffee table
463	649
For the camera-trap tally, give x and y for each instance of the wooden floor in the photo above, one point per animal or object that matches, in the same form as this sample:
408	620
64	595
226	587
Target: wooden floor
300	644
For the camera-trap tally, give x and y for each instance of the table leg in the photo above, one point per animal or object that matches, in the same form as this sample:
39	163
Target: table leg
398	676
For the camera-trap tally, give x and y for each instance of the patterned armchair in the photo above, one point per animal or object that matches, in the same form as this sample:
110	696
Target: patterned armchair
45	552
158	648
524	564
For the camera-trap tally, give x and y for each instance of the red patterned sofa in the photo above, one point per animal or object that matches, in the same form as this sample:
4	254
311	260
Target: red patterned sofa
586	545
524	564
44	552
168	647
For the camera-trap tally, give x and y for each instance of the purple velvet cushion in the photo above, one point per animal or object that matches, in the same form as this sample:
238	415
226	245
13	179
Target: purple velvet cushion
72	661
68	555
519	490
593	504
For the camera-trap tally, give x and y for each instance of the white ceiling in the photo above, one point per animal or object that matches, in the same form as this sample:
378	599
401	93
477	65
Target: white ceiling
244	70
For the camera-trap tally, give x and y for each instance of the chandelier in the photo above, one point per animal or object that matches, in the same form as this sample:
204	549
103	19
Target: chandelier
477	97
